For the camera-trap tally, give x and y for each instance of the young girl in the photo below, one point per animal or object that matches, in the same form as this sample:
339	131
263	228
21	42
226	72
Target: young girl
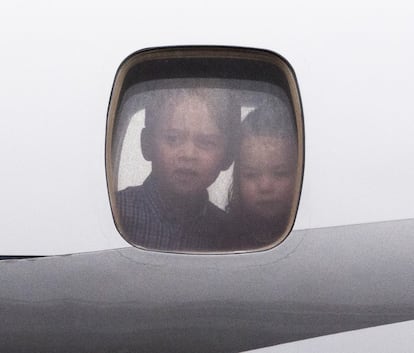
263	178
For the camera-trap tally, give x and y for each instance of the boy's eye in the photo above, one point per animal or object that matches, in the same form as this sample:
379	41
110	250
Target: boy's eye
172	139
250	175
207	142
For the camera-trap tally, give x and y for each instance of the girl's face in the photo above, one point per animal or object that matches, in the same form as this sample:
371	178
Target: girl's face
267	176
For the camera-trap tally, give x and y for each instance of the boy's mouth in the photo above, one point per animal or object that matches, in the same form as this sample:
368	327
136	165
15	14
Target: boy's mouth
185	174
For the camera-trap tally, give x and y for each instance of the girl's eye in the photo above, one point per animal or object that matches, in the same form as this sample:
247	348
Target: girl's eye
280	174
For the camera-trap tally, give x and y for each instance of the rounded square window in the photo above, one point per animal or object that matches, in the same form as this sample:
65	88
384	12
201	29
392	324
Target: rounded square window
204	149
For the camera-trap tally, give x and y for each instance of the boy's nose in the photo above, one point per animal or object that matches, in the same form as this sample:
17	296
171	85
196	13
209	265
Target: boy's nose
189	150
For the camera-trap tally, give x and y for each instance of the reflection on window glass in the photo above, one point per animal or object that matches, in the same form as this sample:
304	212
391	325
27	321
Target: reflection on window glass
132	165
204	165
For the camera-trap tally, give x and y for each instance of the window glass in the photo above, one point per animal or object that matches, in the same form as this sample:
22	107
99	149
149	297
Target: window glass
204	164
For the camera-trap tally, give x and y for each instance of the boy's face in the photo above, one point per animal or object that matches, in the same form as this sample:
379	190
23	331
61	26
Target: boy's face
267	176
188	150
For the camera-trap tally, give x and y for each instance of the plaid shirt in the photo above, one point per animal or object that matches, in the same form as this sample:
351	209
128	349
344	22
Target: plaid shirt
148	222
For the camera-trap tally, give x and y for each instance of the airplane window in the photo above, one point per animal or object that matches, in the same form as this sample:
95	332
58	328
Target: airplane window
204	149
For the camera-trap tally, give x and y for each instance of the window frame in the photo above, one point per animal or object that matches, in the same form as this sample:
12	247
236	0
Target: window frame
125	75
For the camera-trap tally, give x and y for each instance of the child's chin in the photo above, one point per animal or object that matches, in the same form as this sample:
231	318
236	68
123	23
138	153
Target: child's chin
188	192
264	215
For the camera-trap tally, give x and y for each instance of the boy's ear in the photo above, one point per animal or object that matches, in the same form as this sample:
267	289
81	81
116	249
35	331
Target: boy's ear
146	146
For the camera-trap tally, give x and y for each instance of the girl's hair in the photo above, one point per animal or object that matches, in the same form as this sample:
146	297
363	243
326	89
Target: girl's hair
270	120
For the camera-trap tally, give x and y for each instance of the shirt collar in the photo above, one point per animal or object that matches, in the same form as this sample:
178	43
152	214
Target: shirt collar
168	209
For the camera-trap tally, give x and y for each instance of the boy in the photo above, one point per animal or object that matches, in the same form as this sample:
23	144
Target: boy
187	138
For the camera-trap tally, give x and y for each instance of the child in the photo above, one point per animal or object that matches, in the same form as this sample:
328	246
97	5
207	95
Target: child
264	177
187	138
